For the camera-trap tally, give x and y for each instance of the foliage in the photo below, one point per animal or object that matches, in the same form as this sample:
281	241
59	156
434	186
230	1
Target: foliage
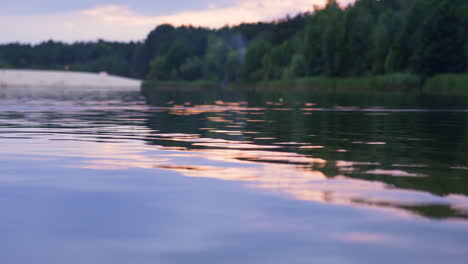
386	43
388	82
101	56
4	65
447	83
392	40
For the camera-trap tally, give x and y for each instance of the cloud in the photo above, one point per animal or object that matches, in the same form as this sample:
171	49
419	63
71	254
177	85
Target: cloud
68	27
240	11
121	23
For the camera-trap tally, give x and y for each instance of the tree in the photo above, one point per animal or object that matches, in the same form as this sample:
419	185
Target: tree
215	59
277	60
370	37
252	70
234	62
4	64
382	37
409	38
191	69
297	68
332	41
444	38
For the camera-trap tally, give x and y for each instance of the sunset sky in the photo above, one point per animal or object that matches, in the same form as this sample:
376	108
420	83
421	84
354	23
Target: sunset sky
33	21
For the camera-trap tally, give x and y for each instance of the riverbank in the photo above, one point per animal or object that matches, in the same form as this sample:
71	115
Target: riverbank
183	85
401	82
393	82
448	83
45	79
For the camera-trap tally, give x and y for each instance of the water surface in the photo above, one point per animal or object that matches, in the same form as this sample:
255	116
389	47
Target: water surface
223	177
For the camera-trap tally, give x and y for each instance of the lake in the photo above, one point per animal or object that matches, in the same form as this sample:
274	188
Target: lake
233	177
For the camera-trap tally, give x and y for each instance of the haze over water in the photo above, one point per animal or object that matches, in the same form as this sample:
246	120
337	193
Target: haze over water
223	177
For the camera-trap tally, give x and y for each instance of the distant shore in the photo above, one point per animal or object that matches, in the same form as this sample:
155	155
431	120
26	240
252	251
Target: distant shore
442	83
35	79
182	85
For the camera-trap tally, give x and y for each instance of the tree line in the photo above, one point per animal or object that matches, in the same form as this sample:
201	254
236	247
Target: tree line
113	57
370	37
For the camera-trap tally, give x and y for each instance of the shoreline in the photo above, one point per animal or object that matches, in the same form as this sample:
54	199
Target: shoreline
45	79
442	83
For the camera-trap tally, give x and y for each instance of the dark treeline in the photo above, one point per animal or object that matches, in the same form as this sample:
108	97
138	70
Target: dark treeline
371	37
113	57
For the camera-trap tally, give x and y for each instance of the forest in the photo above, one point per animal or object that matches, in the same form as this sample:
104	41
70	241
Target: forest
369	38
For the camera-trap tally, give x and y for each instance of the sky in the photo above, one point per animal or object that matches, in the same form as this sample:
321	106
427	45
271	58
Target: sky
34	21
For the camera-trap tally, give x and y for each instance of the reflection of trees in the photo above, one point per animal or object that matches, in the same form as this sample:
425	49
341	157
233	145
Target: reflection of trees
410	139
425	144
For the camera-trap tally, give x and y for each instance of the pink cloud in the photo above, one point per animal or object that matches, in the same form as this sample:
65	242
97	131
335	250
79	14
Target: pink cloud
241	11
119	22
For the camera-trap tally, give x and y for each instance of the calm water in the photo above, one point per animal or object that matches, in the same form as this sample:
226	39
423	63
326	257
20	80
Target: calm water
233	178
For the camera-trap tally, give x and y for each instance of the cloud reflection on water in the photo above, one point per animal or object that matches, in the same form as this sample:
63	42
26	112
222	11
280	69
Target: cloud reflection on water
219	152
294	175
103	181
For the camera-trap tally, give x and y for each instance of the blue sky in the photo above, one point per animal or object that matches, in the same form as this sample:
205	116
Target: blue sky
33	21
148	7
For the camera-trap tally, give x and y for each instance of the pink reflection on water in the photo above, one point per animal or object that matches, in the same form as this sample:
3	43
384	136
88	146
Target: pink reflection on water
268	168
365	238
395	173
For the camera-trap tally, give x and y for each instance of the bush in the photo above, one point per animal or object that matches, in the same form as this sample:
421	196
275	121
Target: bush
447	83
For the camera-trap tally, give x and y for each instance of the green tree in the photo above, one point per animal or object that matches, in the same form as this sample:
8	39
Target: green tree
297	68
215	59
233	65
444	38
409	39
383	35
159	70
191	69
252	70
277	60
4	64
